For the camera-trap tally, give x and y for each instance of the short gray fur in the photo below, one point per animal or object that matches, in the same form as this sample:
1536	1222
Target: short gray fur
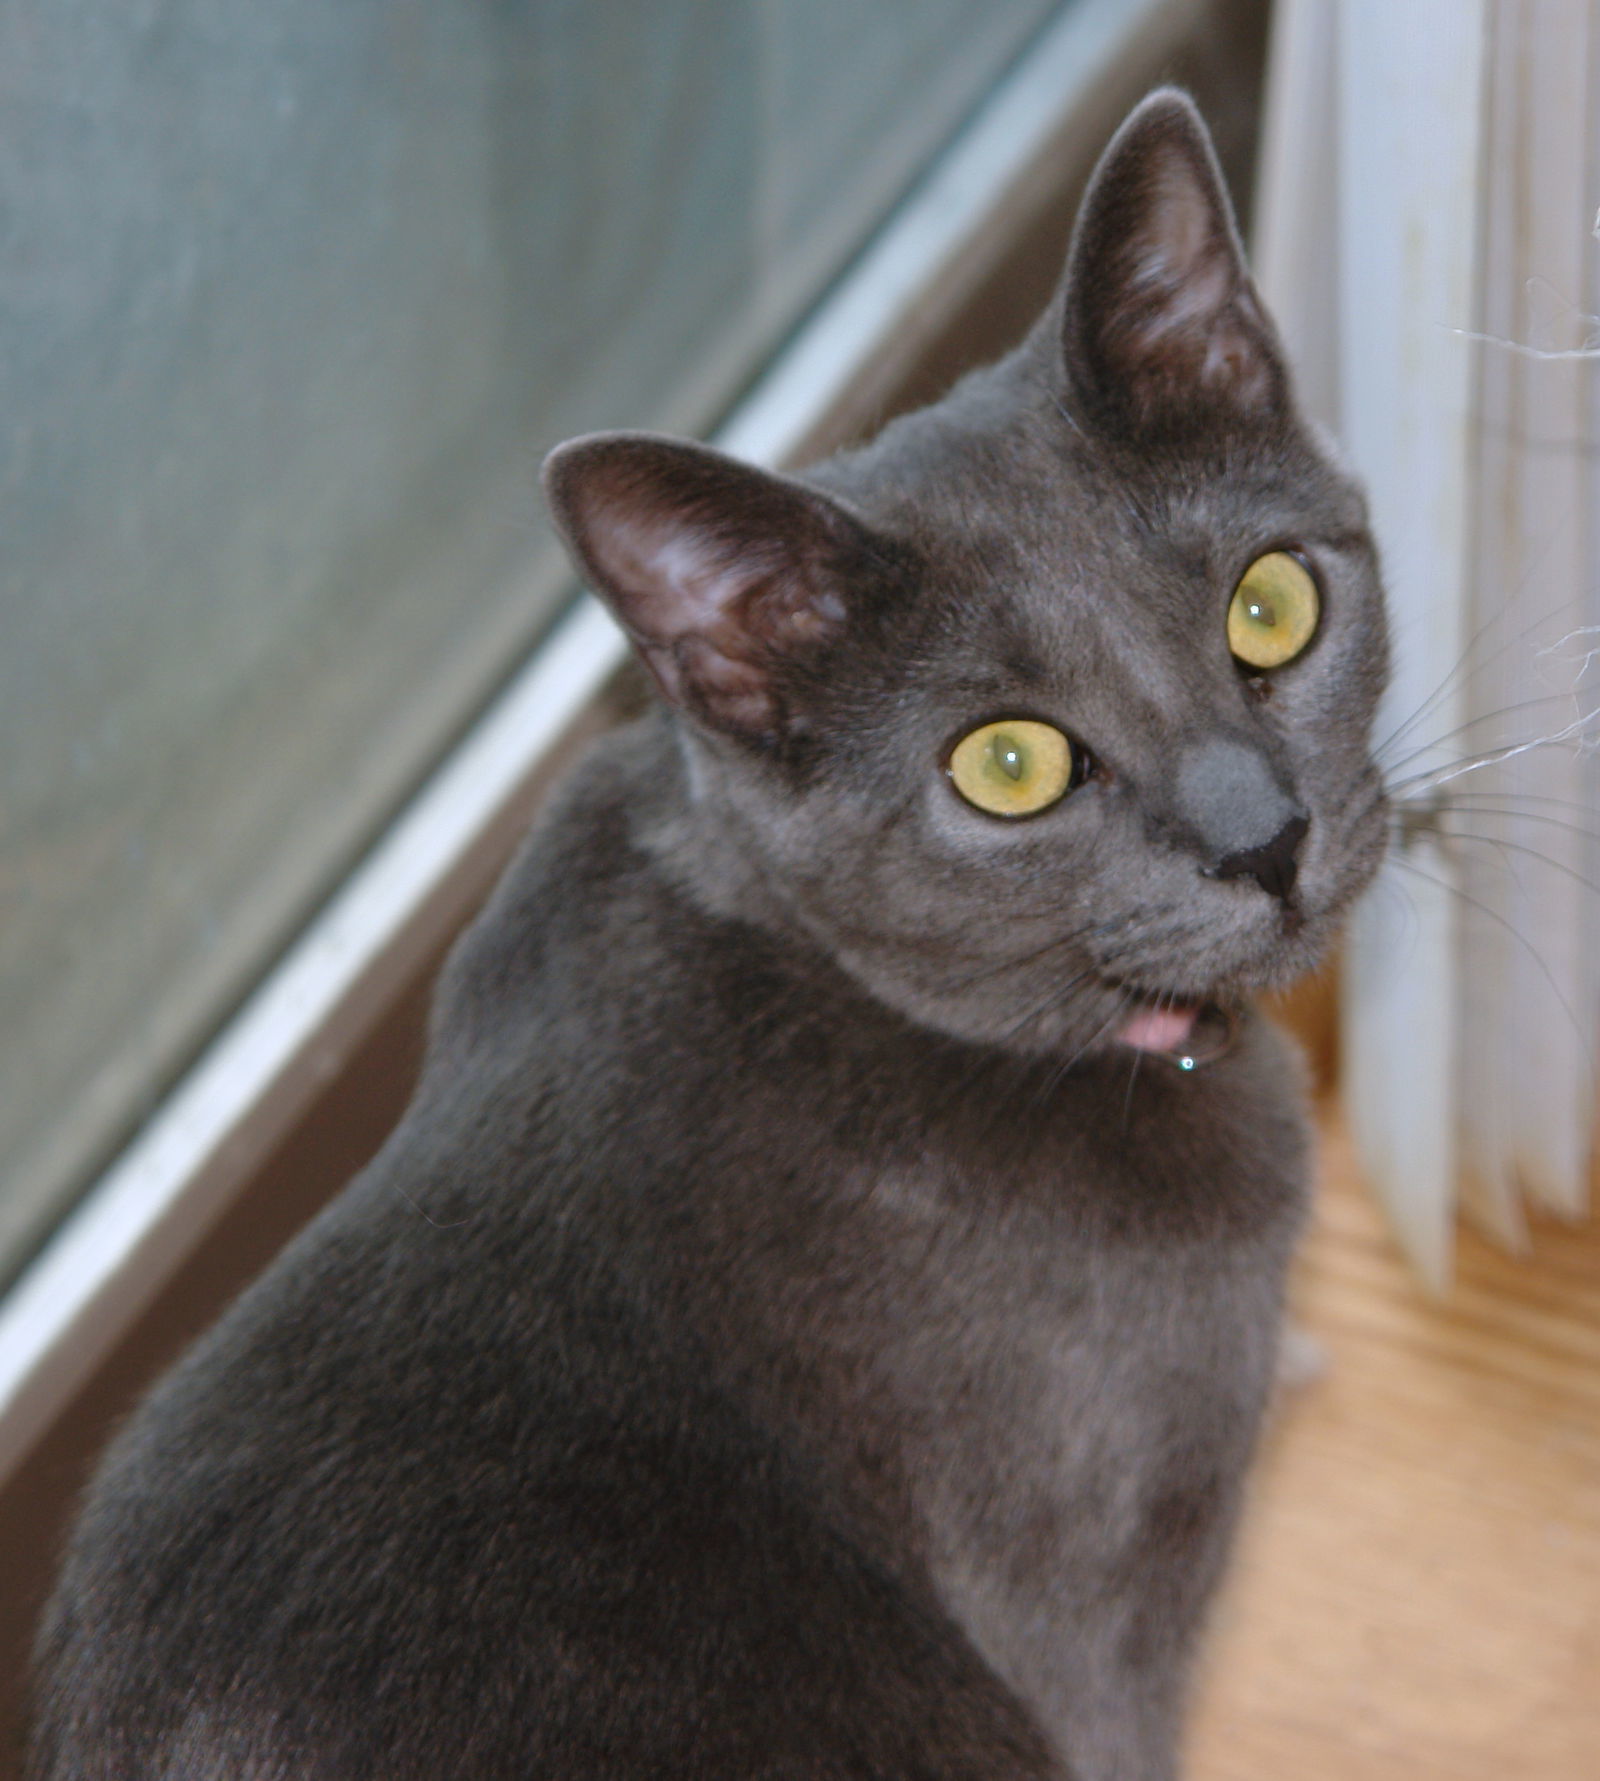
794	1332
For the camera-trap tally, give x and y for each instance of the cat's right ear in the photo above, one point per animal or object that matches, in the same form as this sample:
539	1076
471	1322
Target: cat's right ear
726	578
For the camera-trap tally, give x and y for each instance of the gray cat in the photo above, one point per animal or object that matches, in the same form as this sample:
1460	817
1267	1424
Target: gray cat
814	1318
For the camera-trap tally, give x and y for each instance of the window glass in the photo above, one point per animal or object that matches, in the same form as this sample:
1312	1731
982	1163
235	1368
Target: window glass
292	298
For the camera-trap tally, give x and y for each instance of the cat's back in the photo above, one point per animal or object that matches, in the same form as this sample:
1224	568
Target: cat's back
454	1489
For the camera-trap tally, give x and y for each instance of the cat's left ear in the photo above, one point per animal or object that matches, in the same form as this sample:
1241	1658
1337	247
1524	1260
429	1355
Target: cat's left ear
730	581
1161	325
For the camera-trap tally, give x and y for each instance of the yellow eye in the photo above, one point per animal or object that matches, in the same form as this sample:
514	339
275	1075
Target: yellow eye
1012	768
1274	611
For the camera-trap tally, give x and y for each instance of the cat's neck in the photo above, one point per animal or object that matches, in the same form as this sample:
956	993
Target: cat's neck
701	841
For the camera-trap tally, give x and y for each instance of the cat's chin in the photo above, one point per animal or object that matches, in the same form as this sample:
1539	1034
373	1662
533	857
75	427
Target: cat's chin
1195	1021
1266	957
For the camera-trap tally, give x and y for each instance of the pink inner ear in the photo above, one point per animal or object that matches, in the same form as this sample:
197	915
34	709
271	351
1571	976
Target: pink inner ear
679	580
1182	259
726	576
1169	320
683	591
695	671
1198	319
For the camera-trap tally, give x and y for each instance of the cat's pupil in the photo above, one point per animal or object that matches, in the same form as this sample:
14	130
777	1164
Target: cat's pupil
1009	756
1263	613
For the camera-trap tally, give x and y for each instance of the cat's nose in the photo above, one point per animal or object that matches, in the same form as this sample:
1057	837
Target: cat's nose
1274	866
1246	825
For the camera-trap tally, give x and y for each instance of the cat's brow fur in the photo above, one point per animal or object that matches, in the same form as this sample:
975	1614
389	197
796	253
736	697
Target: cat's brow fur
790	1334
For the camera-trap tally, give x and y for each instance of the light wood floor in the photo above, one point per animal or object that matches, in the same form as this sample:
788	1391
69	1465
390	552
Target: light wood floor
1417	1593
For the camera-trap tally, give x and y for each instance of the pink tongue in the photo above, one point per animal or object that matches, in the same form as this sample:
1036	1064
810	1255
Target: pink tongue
1160	1029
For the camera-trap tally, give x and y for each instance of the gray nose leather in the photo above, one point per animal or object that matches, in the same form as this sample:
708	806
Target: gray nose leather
1245	822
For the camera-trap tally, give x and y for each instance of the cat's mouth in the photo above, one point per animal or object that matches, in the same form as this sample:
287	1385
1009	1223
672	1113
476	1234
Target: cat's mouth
1160	1028
1189	1033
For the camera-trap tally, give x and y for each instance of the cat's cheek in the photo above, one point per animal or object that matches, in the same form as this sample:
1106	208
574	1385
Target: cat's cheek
1348	850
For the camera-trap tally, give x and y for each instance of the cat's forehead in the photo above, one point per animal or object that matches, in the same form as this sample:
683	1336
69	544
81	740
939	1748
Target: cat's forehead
1059	574
1019	488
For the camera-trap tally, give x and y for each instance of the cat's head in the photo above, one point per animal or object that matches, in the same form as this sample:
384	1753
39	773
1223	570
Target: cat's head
1047	712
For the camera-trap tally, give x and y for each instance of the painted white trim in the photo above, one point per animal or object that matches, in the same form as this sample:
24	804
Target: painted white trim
146	1214
1410	118
155	1203
1295	250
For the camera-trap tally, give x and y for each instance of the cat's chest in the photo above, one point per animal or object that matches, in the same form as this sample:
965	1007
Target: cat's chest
1044	1311
1074	1395
1054	1387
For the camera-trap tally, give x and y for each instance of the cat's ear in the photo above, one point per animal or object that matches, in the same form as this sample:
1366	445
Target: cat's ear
1161	325
727	578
